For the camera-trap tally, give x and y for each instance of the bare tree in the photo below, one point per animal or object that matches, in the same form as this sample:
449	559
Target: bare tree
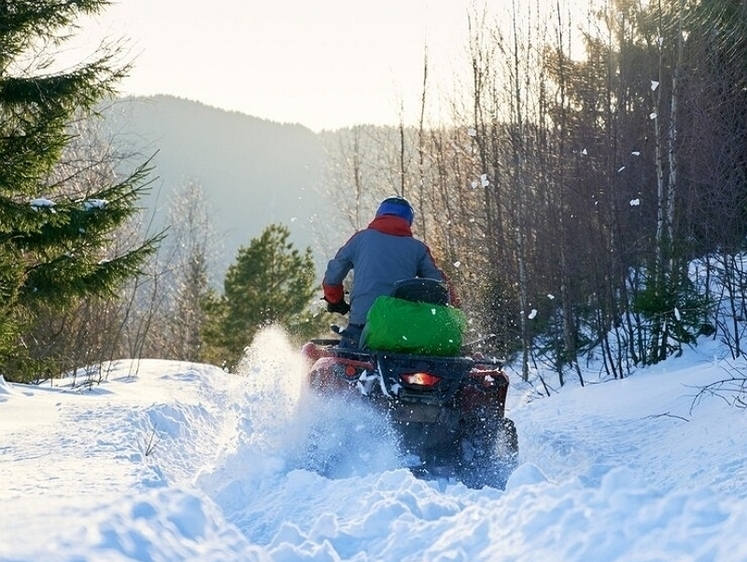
194	244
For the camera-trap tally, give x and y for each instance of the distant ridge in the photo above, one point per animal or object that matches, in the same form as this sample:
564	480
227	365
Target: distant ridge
253	172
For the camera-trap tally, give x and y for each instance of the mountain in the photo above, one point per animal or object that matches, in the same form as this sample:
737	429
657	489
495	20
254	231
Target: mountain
252	172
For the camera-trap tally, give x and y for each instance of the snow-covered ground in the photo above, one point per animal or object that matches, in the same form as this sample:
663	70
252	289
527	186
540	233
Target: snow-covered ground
171	461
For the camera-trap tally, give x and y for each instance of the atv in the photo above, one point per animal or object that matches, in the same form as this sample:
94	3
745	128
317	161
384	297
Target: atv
448	412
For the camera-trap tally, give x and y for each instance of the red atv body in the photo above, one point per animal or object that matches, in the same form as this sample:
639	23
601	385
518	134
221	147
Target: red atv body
448	412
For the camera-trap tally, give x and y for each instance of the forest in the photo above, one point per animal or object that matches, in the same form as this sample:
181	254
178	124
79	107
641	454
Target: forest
590	192
585	195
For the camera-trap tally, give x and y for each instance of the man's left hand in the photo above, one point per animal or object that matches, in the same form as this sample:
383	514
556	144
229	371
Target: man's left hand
340	307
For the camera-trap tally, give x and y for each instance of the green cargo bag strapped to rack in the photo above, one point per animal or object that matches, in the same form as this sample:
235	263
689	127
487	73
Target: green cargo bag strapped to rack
403	326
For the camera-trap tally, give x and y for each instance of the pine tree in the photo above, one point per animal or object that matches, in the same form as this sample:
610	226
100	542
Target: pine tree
271	282
55	234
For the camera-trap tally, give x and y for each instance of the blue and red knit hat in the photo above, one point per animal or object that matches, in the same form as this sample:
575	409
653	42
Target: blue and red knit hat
398	206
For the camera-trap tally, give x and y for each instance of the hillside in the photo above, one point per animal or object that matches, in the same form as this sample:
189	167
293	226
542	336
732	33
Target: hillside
253	172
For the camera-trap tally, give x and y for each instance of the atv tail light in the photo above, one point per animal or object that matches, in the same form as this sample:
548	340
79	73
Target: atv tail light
420	379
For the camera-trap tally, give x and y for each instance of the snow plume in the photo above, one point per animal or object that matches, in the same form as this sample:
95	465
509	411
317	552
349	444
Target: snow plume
344	438
265	399
274	371
282	428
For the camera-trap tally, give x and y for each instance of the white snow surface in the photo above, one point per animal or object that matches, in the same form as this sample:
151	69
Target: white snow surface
170	461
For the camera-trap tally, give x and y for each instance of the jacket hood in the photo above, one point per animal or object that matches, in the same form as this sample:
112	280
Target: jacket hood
391	224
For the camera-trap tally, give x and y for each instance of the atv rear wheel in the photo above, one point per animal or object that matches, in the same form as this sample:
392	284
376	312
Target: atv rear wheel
489	453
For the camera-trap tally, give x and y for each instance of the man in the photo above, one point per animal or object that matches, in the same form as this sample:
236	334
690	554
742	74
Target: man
381	255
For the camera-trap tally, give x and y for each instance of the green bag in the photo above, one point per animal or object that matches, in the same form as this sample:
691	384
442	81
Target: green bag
403	326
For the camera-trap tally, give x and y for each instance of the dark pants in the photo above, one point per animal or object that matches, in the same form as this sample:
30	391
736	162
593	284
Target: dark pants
351	336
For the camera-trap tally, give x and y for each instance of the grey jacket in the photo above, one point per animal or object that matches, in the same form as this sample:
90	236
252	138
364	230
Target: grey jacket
380	255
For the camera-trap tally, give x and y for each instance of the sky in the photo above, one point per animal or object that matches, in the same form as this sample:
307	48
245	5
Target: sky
324	64
165	461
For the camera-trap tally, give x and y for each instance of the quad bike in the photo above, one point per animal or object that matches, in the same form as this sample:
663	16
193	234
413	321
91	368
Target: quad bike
448	412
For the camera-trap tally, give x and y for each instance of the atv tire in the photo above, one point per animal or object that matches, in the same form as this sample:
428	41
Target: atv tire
489	454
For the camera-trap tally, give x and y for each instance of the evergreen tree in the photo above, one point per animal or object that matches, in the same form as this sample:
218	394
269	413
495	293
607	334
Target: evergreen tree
55	234
271	282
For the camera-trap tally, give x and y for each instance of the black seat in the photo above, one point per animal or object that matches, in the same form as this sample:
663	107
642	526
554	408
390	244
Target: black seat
431	291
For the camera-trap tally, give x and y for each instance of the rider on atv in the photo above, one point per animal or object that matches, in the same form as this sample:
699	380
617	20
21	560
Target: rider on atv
381	255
